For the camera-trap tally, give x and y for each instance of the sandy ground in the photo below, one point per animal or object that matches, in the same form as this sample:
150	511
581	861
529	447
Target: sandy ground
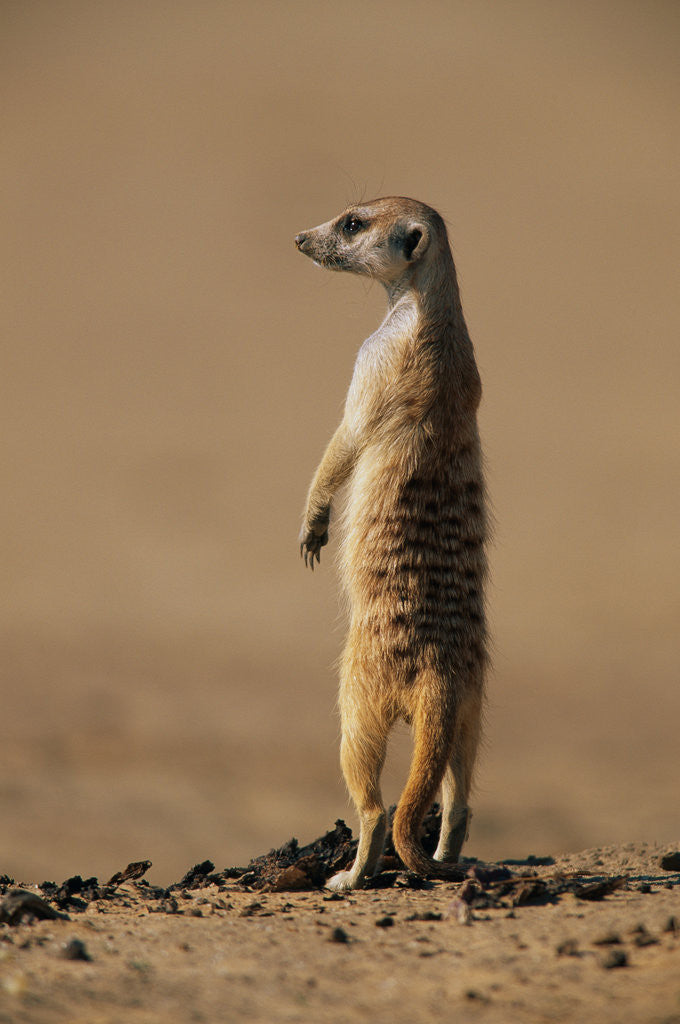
390	955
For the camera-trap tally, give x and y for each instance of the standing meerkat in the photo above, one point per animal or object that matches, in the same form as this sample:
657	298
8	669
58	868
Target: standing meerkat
414	529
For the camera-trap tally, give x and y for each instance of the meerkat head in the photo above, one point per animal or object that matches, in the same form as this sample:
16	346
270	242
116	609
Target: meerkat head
384	239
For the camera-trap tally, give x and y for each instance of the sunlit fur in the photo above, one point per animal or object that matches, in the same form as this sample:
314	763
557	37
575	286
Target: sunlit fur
412	534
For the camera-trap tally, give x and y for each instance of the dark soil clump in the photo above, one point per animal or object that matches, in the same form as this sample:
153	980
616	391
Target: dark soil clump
313	864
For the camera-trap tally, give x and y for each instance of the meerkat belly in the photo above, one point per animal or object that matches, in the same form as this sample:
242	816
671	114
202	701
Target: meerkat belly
414	561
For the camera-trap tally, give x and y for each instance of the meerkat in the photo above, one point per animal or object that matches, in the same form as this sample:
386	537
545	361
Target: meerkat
413	533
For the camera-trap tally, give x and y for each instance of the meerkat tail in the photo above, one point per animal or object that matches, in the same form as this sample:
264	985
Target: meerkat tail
433	732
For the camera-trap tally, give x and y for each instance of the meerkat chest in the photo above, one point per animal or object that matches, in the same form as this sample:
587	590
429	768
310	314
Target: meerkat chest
378	365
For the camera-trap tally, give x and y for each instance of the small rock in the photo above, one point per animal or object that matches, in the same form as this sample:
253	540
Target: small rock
221	904
409	880
195	878
644	887
250	909
338	935
291	879
21	904
489	874
569	947
469	890
473	994
671	861
385	922
134	870
615	958
672	924
75	950
645	940
608	939
598	890
385	880
642	937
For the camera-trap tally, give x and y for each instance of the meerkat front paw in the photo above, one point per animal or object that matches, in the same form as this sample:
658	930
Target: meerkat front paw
345	880
312	539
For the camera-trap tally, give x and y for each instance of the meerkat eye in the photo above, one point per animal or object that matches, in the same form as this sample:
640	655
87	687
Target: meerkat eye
352	225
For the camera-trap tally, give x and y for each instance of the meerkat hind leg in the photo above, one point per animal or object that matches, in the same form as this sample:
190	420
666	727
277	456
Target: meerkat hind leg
456	817
362	757
456	784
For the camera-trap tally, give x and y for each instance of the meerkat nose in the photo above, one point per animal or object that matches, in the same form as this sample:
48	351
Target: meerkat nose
300	239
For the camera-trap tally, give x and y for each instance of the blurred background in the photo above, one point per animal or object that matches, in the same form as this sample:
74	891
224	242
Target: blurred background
172	370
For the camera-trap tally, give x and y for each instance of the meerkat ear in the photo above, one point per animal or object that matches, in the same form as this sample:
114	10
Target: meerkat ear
416	241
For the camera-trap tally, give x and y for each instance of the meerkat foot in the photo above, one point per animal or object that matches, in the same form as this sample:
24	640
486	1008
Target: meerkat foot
453	835
345	880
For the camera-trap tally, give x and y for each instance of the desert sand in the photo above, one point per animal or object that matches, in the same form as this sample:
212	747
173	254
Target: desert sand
497	950
171	371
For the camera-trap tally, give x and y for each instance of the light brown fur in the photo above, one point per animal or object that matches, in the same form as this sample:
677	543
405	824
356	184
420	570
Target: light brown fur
412	556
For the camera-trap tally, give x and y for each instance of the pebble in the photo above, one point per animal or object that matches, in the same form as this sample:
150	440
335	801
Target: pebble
608	939
615	958
474	994
75	950
643	938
